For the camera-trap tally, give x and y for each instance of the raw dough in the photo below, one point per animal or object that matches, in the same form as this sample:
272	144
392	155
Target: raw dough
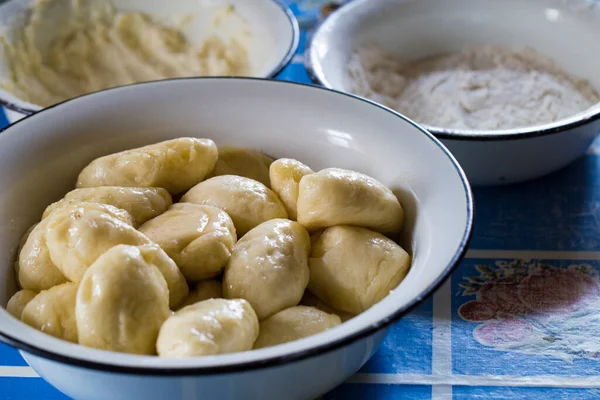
141	203
97	48
178	288
77	236
215	326
52	311
353	268
483	87
122	302
22	242
36	269
198	238
18	301
248	202
204	290
268	267
285	175
292	324
311	300
244	162
335	196
175	165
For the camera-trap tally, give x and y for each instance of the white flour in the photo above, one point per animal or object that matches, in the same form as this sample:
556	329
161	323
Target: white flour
484	87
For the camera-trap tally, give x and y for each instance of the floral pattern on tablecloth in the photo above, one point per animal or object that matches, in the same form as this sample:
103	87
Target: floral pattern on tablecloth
530	307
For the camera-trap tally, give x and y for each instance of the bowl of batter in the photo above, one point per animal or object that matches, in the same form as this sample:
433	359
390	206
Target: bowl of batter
54	50
504	84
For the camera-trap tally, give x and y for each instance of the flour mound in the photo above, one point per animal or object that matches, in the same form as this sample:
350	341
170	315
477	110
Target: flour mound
482	87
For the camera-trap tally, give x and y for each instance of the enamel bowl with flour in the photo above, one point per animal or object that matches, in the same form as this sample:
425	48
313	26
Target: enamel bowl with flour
54	50
507	92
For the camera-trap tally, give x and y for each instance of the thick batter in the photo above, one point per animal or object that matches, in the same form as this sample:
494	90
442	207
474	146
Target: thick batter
484	87
100	48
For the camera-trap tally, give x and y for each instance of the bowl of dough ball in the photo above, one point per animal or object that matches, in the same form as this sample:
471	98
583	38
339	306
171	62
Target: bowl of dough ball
240	238
54	50
503	84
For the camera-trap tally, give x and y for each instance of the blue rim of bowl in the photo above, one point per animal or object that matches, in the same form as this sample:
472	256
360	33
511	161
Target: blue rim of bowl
458	134
289	55
296	356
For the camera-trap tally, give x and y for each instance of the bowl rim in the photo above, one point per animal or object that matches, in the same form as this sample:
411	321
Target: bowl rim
26	108
581	118
293	356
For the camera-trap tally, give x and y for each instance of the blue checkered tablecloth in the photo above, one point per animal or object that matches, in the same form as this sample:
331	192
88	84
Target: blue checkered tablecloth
519	319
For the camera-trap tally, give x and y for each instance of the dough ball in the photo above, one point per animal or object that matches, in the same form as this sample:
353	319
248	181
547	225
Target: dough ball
248	202
268	267
141	203
115	212
215	326
52	311
340	197
77	236
122	301
175	165
243	162
178	288
198	238
18	301
25	236
292	324
353	268
204	290
311	300
22	242
37	271
285	175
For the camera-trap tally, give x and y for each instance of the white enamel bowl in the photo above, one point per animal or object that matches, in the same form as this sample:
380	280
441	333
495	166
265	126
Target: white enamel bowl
567	31
41	155
272	42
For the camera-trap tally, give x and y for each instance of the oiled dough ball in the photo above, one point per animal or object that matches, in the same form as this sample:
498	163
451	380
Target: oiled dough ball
311	300
243	162
336	196
52	311
292	324
215	326
268	267
36	269
18	301
108	209
25	236
141	203
198	238
175	165
204	290
122	301
353	268
77	236
178	288
285	175
22	242
248	202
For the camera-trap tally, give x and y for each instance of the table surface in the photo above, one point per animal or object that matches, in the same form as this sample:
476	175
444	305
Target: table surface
536	247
